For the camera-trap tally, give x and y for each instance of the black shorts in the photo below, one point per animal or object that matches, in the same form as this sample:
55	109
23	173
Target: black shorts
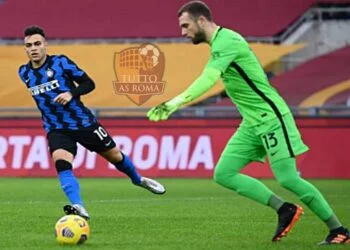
94	138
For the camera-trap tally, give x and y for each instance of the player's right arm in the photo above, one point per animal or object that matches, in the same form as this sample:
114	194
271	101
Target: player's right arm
223	53
201	85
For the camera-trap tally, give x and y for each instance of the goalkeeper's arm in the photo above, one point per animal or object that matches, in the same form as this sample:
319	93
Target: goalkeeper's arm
200	86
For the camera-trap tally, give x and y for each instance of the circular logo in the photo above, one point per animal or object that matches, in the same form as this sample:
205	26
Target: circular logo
49	73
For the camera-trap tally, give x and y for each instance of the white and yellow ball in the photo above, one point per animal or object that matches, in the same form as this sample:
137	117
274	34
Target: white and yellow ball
150	51
72	230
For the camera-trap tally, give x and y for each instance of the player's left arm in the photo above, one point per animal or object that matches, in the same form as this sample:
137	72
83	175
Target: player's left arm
221	57
85	83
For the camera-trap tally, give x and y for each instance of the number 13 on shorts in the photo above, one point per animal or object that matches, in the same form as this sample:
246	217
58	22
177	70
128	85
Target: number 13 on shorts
281	139
271	143
277	144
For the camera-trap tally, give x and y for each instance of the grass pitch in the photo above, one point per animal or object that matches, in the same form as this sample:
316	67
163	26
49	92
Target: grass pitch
193	214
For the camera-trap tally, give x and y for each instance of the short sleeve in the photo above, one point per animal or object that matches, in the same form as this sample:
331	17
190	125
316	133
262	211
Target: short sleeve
71	68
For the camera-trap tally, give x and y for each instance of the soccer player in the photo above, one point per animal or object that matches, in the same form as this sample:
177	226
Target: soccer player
56	84
268	127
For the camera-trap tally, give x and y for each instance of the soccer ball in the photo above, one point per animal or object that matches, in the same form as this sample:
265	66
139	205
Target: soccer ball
151	52
72	230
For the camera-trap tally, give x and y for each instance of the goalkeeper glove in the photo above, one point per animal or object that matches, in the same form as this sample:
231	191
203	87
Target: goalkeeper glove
164	110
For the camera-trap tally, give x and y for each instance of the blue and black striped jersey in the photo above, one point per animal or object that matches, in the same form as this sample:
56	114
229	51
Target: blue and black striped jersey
57	75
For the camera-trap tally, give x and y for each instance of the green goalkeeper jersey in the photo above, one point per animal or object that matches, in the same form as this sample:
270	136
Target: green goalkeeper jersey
244	78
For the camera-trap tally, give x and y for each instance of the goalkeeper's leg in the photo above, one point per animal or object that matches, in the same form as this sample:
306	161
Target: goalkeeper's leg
227	174
287	175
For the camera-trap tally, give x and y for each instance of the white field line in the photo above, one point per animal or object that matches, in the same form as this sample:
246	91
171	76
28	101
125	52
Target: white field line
29	202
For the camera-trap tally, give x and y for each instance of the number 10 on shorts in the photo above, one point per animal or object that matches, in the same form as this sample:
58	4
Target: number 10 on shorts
101	133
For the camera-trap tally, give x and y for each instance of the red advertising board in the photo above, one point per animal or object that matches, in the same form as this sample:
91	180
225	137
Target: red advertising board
176	148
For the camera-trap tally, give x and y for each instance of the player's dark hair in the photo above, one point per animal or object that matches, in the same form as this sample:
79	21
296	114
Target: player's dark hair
196	9
34	30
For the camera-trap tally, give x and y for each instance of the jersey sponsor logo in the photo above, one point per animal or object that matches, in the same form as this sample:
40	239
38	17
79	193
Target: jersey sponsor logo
45	87
139	72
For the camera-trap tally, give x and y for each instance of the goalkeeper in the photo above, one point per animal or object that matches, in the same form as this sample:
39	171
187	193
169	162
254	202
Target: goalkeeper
268	127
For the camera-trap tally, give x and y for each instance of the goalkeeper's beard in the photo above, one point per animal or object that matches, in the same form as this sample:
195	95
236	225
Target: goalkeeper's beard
199	37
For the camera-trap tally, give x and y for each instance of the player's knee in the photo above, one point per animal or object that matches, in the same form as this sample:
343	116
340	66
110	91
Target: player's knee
218	174
221	176
118	155
63	165
289	182
113	155
60	154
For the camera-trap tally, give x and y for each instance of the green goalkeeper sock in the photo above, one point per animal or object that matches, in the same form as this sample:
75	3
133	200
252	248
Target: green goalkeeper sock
275	202
333	222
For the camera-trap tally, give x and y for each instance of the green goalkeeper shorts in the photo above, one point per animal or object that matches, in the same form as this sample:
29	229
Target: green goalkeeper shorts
278	139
